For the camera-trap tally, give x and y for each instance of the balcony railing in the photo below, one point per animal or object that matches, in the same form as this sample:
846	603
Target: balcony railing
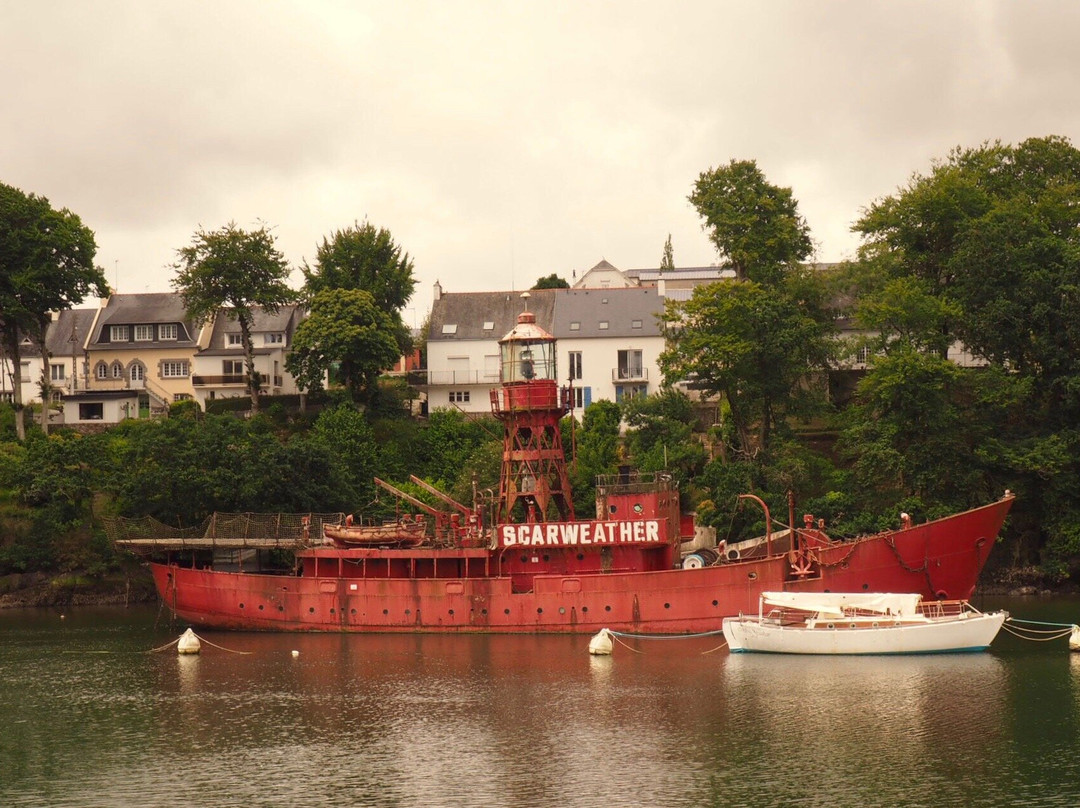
438	378
218	381
631	374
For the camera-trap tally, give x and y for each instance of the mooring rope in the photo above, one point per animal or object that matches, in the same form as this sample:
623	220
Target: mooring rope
201	639
620	635
1055	632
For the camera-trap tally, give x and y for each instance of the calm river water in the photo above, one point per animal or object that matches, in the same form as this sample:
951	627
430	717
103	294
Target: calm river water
89	718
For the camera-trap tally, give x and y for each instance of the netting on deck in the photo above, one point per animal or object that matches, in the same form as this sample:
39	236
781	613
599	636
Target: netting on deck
225	530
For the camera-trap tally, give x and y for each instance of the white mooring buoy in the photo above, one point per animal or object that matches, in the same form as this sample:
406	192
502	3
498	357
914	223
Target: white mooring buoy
188	643
602	643
1074	639
295	653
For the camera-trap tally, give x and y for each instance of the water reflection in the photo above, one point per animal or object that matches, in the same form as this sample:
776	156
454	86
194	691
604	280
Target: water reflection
503	720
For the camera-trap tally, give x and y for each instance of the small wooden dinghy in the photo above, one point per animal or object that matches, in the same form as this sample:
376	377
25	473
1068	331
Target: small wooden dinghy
396	533
860	623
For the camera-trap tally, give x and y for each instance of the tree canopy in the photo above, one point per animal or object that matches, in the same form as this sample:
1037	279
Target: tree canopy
367	258
346	334
234	271
46	264
755	226
551	281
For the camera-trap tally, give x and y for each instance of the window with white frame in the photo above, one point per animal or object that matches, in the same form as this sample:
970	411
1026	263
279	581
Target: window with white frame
144	333
635	323
117	370
575	325
56	373
182	397
137	372
582	397
174	370
603	325
233	339
118	333
459	396
167	331
630	365
274	339
102	370
575	364
232	367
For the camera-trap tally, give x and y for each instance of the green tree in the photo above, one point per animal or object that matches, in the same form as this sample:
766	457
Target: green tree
345	335
597	450
46	264
754	346
667	261
660	437
551	281
233	270
363	257
755	226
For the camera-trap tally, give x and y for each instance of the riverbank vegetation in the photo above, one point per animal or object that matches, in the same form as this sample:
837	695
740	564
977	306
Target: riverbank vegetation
981	255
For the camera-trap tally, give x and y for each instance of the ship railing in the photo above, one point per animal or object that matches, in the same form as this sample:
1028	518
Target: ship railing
636	482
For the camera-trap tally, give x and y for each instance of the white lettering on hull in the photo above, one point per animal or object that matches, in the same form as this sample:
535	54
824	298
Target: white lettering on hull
577	534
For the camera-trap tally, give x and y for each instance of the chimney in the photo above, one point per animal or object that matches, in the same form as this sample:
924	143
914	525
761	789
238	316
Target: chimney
438	290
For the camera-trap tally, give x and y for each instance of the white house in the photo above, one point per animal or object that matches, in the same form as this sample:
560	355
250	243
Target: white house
608	342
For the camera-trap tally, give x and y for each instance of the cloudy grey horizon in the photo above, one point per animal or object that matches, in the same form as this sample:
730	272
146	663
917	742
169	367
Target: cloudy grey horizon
500	142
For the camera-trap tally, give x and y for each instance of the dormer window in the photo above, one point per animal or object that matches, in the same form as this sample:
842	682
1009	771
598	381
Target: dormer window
167	331
275	339
450	328
144	333
118	333
234	340
489	325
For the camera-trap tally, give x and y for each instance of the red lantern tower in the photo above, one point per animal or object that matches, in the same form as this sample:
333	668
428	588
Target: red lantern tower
533	485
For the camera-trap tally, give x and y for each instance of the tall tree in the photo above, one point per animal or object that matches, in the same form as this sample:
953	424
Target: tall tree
753	345
667	261
755	226
346	334
367	258
233	270
551	281
46	264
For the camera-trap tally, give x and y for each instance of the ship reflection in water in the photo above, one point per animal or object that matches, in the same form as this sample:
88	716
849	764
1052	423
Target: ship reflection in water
522	720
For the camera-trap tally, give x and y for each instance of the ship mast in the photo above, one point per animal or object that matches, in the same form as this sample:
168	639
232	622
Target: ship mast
534	485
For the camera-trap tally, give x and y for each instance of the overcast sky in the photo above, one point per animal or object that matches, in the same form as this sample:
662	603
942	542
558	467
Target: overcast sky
499	141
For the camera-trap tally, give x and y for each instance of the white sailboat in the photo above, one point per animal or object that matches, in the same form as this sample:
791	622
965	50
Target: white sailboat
860	623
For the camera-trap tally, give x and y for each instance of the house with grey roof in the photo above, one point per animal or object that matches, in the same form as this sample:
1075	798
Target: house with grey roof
218	367
608	342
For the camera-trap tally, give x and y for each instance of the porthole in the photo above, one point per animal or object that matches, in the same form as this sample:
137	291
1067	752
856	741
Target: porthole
830	625
352	611
386	611
851	625
524	559
875	624
716	603
281	608
752	576
408	612
451	612
584	609
580	556
607	608
540	610
562	610
506	611
311	610
260	607
546	558
866	586
241	605
332	611
482	611
667	605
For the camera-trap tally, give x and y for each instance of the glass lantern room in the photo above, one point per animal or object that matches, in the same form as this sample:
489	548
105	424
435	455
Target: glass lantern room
527	352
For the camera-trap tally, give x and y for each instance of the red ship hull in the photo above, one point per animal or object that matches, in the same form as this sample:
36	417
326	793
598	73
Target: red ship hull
464	590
